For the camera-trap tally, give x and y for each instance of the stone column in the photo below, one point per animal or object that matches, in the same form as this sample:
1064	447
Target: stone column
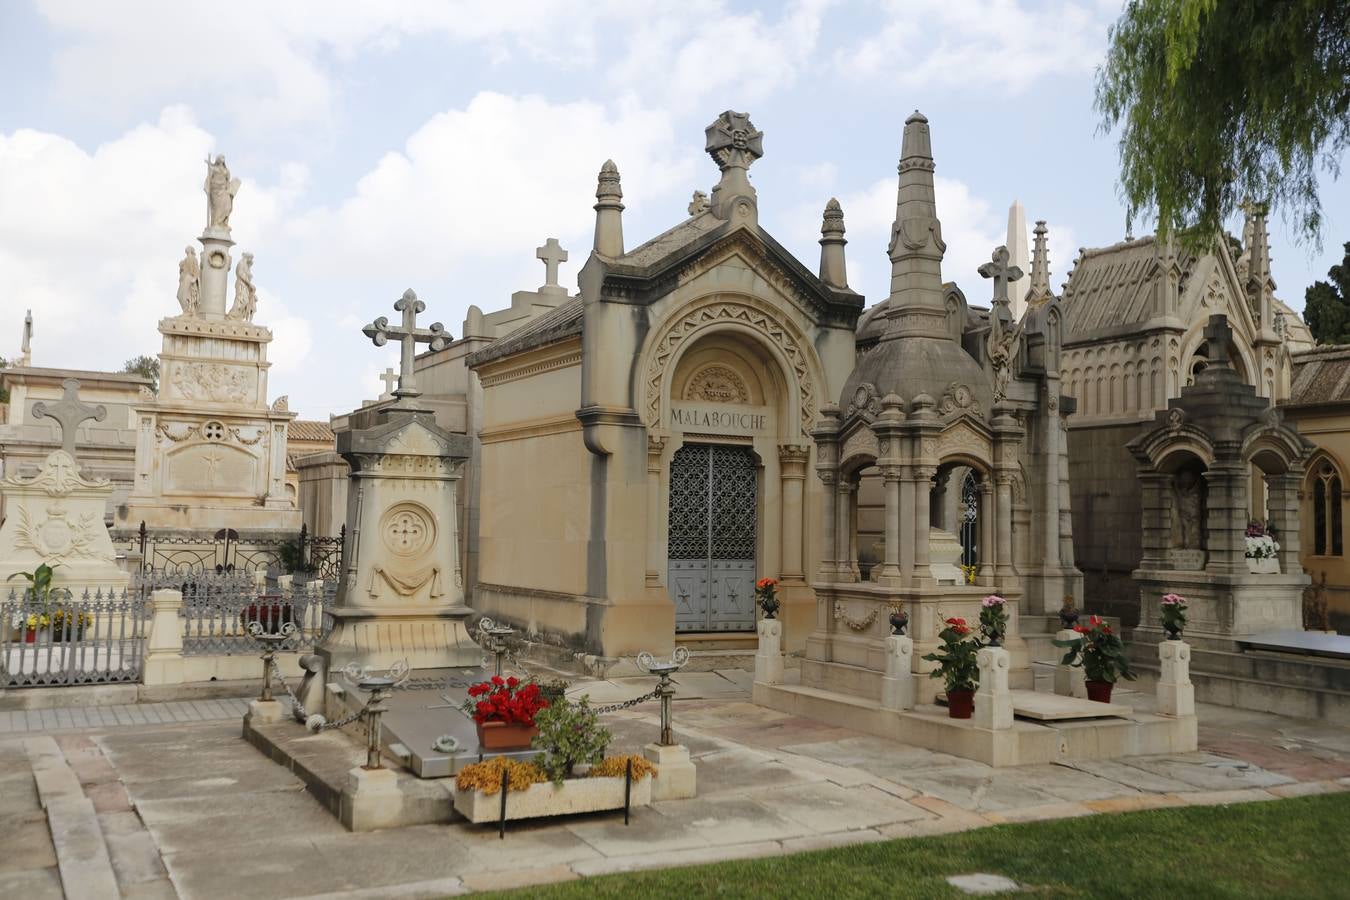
1156	521
1226	517
1051	460
890	566
1003	505
897	686
1069	680
769	656
988	554
164	648
843	530
993	699
829	565
1282	504
1176	694
906	523
792	475
923	485
655	446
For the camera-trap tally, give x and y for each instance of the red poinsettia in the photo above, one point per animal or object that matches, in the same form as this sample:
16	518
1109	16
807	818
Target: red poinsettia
508	700
958	625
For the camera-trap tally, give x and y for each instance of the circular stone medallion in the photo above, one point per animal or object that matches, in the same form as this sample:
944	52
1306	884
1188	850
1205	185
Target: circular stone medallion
408	529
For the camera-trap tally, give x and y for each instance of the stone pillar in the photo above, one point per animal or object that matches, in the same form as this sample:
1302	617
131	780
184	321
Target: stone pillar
1156	521
1176	694
792	474
1069	680
897	687
843	530
923	484
1051	460
655	446
988	554
1226	517
1003	506
890	566
828	501
164	648
769	656
993	699
1282	503
906	523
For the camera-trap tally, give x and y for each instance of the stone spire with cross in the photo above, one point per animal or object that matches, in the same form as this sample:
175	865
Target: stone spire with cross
916	304
409	336
69	413
1039	293
552	254
1002	271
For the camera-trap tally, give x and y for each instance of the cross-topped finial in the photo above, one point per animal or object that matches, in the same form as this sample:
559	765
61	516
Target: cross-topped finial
1002	273
69	412
435	337
552	254
390	379
1218	335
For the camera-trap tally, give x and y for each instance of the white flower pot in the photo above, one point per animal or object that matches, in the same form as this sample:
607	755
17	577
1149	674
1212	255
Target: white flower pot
576	795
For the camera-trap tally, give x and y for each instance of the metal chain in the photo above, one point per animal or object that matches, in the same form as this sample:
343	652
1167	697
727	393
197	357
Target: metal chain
628	704
300	707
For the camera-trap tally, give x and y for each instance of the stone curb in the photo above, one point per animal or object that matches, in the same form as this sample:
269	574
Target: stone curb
81	852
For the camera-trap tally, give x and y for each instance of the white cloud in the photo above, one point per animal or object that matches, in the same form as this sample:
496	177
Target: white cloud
991	44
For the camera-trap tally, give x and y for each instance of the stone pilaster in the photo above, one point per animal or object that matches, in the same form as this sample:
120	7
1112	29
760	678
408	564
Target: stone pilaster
769	656
1176	694
993	698
897	686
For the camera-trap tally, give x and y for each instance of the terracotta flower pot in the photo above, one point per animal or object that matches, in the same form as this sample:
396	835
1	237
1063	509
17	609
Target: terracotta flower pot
1099	691
960	704
30	636
505	736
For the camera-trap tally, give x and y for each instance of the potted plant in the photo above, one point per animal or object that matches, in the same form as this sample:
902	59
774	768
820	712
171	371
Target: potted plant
994	619
270	611
1101	654
504	710
957	667
1262	550
530	792
766	595
1173	615
68	625
40	593
570	734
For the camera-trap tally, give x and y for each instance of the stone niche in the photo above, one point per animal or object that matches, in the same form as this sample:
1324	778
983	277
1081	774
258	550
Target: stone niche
402	591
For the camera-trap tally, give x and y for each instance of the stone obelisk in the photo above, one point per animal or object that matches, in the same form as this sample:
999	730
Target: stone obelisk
1019	256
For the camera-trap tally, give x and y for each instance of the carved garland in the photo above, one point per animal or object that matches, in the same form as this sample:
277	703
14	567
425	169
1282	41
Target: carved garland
728	311
860	624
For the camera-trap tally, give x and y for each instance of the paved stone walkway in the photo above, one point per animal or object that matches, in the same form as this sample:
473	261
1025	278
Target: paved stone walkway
187	809
25	721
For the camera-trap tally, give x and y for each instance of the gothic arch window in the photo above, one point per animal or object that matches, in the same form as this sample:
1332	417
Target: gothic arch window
1327	522
970	513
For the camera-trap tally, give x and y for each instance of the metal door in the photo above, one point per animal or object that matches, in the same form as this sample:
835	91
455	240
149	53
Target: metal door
711	551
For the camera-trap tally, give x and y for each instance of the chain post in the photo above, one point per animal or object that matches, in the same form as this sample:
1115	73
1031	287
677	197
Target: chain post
663	669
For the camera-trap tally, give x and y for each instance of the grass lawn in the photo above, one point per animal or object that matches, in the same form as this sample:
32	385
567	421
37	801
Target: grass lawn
1284	848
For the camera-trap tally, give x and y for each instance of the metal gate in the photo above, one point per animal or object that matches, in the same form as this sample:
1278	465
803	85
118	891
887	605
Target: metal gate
93	639
711	575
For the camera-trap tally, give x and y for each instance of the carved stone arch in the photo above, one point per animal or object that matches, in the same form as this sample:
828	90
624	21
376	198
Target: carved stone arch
1320	458
858	450
759	320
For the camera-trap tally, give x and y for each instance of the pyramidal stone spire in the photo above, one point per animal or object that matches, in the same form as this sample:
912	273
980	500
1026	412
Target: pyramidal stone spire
832	267
609	212
1039	292
1018	256
916	305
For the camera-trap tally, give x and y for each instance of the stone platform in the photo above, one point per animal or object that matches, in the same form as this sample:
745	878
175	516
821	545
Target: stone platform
1063	729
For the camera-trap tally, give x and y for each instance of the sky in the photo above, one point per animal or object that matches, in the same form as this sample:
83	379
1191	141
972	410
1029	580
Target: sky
435	144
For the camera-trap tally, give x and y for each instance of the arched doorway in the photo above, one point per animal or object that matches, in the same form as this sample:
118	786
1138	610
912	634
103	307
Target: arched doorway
713	525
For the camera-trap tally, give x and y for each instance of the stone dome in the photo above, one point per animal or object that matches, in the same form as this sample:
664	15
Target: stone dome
914	365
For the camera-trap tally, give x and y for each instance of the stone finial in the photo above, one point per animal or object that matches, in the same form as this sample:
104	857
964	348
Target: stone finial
1040	293
833	270
609	212
698	204
1259	285
916	246
1218	335
408	336
734	144
1002	271
69	413
552	254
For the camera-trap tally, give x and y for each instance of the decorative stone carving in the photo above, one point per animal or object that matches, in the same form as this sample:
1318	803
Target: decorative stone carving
58	477
1187	510
408	529
211	381
699	204
959	400
245	293
733	141
865	401
69	413
856	623
282	403
189	282
220	190
57	537
717	384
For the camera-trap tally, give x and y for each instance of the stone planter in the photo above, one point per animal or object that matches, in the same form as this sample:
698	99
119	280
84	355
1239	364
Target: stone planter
1268	565
503	736
576	795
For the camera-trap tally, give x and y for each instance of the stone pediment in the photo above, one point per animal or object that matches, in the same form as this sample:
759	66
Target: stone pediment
403	433
58	477
756	250
961	438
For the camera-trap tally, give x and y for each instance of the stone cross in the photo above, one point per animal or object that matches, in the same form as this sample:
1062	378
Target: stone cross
409	336
1218	335
69	412
1002	273
552	254
389	379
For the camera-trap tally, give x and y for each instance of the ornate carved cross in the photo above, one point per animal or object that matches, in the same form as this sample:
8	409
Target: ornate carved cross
552	254
1002	273
435	337
69	413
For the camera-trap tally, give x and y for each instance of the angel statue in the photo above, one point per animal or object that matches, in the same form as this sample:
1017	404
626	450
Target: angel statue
220	190
189	282
245	294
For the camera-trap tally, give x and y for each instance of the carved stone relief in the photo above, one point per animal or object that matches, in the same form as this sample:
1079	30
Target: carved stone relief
212	381
717	384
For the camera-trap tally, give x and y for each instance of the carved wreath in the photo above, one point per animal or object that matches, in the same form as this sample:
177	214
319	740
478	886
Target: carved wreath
57	538
862	624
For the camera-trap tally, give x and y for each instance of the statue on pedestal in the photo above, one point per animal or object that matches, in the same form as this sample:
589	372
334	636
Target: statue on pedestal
220	190
245	294
189	282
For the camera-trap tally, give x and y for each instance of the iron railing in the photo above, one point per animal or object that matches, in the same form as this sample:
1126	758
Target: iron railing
217	610
92	639
226	552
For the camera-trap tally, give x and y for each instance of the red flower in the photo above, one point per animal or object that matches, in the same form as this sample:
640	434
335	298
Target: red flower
512	681
765	583
498	680
1080	629
1094	620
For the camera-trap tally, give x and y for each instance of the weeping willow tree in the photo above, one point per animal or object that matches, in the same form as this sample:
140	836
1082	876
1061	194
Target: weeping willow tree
1218	101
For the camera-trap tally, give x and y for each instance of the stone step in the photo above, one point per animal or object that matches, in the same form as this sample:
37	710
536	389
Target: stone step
81	851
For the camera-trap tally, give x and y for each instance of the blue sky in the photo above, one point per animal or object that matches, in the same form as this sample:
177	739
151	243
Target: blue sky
434	145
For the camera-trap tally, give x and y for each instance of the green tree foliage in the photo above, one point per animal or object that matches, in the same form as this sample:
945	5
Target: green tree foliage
1327	305
1220	102
145	366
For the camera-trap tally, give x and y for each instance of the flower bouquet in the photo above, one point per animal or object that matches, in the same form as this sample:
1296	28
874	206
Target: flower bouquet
957	667
994	619
504	711
1262	550
766	595
1101	653
1173	615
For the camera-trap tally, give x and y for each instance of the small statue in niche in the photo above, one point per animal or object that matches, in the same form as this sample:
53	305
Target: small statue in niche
1188	501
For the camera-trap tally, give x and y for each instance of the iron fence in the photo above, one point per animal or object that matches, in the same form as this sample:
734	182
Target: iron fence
226	553
93	639
217	610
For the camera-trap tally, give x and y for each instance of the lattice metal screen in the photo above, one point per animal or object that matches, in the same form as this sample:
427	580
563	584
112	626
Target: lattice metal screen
713	500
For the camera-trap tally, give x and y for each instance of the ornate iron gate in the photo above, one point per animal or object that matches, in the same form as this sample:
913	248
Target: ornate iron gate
711	575
970	521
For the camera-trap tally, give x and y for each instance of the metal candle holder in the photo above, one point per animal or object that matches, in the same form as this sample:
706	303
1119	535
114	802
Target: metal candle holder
380	688
271	642
495	635
663	669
